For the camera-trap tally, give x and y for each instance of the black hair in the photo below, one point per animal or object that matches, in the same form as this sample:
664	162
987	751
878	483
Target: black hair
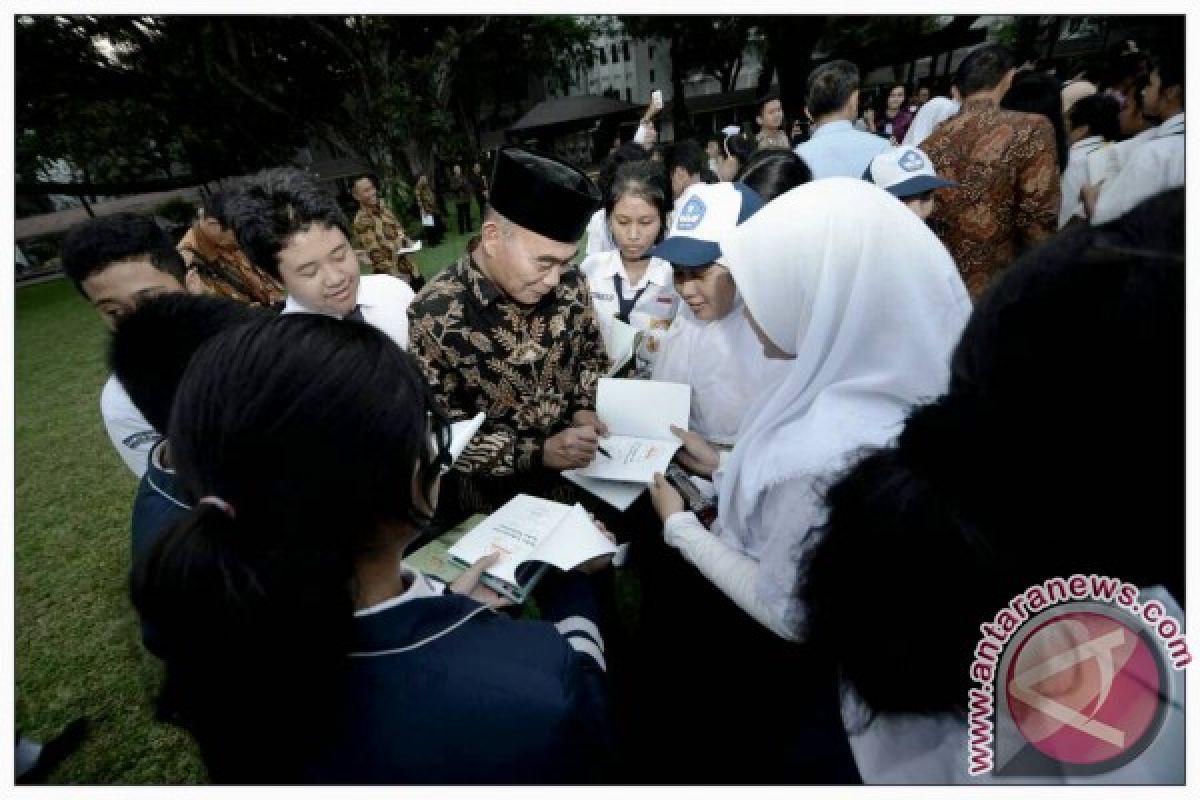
1026	469
983	69
830	86
1038	93
627	152
689	156
739	146
152	345
773	171
312	430
1100	113
644	179
1169	63
275	204
217	206
93	245
761	103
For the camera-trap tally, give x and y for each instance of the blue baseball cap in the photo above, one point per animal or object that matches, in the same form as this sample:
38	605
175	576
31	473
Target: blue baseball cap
704	214
904	171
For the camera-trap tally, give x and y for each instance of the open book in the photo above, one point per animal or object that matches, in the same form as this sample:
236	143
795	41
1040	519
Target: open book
621	341
530	534
639	415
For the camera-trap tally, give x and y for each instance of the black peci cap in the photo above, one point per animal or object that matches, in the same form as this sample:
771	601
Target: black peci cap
541	193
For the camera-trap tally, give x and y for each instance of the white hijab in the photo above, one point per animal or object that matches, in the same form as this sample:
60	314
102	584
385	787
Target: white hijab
724	364
850	280
930	115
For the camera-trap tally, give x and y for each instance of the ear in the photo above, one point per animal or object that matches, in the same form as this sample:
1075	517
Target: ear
490	236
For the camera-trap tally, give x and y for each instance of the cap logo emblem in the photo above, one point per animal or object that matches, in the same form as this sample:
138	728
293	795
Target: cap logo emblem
690	215
911	162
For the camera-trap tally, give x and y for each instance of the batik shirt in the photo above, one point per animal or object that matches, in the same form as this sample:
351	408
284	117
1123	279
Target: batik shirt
380	235
1009	194
226	271
528	368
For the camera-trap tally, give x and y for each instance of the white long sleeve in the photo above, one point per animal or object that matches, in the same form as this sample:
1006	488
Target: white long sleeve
730	571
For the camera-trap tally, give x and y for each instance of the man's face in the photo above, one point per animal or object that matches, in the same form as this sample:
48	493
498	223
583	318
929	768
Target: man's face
364	193
923	95
771	118
320	269
119	288
525	265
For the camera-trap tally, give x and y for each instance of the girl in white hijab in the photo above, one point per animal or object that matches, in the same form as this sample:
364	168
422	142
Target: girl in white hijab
867	305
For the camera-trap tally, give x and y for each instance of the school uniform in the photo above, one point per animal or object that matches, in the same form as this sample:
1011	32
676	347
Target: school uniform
1075	176
652	302
131	434
1155	166
383	302
440	689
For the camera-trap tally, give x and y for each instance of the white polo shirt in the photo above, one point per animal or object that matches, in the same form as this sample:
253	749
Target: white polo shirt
383	300
652	313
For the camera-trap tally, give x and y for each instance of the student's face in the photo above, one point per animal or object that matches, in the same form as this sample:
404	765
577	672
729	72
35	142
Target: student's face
921	204
772	116
709	292
120	287
895	99
320	269
1131	119
525	265
922	95
364	193
770	349
635	225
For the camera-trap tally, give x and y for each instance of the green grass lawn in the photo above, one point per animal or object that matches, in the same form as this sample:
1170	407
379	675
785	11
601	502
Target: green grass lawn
77	646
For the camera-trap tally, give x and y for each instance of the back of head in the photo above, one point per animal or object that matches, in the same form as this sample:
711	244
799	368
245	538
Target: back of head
1038	93
1060	435
93	245
830	87
1099	113
152	346
275	204
772	172
689	156
311	432
983	69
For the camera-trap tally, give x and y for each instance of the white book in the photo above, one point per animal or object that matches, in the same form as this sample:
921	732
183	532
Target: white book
639	415
531	533
621	342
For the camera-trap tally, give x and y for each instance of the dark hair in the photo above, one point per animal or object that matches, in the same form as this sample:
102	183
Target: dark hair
275	204
217	206
739	146
689	156
93	245
311	429
1026	469
152	345
1099	112
627	152
1169	63
774	171
761	103
1038	93
983	69
644	179
830	86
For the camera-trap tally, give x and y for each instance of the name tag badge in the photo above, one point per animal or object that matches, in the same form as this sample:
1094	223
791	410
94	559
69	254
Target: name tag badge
607	296
666	298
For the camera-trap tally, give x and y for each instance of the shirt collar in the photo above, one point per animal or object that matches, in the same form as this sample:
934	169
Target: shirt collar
419	586
1170	126
838	125
1088	142
484	289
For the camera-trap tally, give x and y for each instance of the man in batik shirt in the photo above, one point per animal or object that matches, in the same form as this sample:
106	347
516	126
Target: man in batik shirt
509	330
215	263
379	233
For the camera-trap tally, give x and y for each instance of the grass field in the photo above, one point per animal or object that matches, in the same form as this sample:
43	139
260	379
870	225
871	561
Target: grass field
77	646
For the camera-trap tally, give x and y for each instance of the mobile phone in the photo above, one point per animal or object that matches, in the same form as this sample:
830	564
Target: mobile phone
704	509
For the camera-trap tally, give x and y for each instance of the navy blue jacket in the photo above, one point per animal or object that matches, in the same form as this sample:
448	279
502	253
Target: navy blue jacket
160	501
488	700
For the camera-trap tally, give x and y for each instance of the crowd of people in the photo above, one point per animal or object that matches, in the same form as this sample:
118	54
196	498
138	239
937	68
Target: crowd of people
938	373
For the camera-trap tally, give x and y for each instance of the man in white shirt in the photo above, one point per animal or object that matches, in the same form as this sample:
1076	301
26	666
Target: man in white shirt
308	250
116	262
1157	164
836	148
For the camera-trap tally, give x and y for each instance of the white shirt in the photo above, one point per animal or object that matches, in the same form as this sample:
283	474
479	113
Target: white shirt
131	434
383	300
1155	166
1075	176
419	586
652	313
599	237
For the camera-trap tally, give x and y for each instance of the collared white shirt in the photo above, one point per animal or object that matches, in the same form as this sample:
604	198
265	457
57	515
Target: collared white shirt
131	434
1155	166
1075	176
652	313
836	148
384	302
419	586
